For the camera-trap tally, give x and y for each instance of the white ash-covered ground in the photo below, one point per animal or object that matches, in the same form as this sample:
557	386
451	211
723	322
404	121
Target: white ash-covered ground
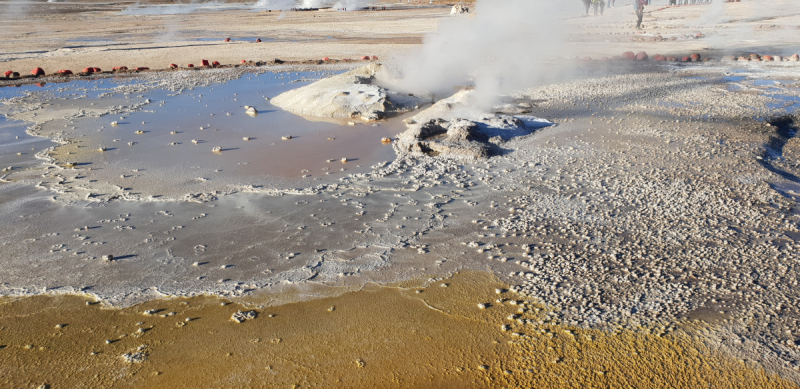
661	193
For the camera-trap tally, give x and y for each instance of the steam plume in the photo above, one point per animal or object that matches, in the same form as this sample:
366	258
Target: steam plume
500	48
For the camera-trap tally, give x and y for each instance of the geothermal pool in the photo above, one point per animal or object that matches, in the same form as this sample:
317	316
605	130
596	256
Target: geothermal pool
154	142
339	227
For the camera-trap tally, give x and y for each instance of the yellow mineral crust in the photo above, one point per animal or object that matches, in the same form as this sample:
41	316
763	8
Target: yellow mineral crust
466	331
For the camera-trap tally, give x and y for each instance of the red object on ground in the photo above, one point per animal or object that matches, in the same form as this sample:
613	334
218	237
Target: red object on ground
204	62
258	40
641	56
227	39
629	55
142	68
326	59
37	72
8	73
659	57
794	58
215	63
767	58
120	68
97	70
64	71
191	65
243	61
744	59
173	66
686	59
366	58
374	58
695	57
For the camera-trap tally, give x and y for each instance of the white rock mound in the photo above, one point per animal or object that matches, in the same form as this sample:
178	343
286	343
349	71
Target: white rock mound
453	127
457	137
347	96
459	9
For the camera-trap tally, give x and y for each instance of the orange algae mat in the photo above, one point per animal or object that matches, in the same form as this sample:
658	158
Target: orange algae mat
415	334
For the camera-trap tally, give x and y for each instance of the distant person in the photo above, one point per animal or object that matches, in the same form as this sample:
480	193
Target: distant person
638	7
598	4
587	4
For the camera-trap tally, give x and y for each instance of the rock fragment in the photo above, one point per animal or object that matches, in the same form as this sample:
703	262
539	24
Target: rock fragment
242	316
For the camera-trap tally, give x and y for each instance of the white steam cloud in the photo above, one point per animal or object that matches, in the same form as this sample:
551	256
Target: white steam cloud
287	4
714	14
737	37
177	9
757	10
500	48
260	5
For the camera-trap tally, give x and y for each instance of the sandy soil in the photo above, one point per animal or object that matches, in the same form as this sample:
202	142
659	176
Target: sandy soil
104	38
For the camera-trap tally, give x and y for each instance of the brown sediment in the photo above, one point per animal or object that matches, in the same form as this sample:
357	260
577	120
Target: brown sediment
418	334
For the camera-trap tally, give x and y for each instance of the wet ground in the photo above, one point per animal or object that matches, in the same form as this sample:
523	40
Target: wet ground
161	142
602	219
464	331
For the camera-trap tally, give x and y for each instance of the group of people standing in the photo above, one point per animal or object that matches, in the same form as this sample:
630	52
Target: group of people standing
638	6
598	5
687	2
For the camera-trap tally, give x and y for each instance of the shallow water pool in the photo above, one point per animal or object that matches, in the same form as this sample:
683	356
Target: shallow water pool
163	145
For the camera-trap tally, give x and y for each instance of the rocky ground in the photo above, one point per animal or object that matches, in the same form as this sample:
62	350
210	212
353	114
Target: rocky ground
665	192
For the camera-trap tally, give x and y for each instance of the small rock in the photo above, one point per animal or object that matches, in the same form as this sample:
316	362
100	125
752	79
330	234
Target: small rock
241	317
